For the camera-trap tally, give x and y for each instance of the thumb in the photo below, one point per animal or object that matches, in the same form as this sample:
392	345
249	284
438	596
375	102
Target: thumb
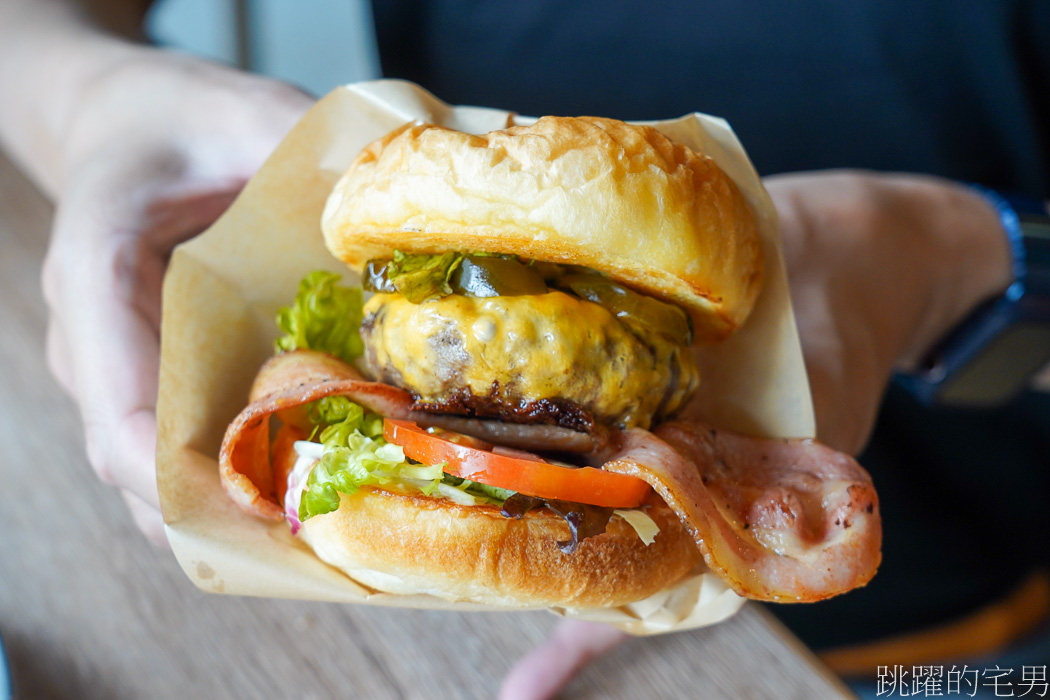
546	670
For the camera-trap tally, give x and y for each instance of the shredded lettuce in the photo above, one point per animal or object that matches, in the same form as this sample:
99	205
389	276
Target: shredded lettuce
325	316
343	417
355	455
422	277
484	492
333	409
344	469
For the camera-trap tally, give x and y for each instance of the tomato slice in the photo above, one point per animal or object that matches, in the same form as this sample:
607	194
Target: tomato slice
529	475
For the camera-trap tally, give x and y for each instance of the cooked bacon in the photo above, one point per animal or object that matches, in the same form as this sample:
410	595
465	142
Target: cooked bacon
286	382
283	456
244	468
779	520
299	368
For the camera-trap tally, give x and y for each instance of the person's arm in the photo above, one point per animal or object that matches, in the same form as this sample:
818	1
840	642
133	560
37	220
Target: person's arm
880	267
141	149
49	52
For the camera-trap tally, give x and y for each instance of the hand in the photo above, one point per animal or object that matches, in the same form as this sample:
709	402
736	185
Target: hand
159	146
880	267
544	672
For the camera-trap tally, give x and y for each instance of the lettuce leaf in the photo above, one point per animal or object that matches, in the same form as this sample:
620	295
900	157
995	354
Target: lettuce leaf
484	492
355	455
422	277
341	416
352	460
325	316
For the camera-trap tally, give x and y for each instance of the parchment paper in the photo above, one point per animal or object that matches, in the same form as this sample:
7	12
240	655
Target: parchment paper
224	287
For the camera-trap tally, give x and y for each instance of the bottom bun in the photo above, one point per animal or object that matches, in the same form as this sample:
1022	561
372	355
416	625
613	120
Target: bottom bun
409	544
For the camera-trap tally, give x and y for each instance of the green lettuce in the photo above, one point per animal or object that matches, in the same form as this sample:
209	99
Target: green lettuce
341	416
490	494
422	277
355	455
325	316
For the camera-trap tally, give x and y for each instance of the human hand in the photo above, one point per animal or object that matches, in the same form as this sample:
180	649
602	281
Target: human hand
545	671
159	146
879	267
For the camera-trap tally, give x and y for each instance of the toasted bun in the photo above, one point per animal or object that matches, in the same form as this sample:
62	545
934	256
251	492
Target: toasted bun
414	544
616	197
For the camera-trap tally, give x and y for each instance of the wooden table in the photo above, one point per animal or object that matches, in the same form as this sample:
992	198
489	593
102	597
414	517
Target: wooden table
89	609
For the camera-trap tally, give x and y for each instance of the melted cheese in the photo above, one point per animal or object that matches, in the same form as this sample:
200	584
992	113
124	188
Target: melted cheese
527	348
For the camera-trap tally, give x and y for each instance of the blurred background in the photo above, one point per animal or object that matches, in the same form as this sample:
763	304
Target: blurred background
314	44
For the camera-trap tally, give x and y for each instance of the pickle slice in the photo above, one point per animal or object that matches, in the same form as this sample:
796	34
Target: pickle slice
643	314
484	276
422	277
415	277
374	278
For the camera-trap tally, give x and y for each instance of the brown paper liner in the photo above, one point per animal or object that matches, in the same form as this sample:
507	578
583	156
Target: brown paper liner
224	287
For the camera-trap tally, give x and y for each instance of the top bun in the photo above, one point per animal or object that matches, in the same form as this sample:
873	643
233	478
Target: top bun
612	196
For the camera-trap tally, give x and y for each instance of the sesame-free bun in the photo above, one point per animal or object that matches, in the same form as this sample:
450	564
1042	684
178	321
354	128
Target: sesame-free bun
409	544
601	193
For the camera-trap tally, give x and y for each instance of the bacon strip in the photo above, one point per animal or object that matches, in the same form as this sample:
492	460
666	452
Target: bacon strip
779	520
283	457
287	382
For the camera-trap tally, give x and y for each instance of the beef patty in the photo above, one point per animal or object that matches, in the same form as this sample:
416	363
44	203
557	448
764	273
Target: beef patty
545	358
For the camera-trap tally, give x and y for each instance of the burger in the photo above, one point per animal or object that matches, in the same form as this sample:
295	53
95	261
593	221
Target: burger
495	423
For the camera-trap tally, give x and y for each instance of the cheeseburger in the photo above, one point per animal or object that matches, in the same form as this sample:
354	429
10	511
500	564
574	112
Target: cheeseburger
495	423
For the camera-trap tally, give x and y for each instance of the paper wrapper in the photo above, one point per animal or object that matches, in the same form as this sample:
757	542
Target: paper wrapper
224	287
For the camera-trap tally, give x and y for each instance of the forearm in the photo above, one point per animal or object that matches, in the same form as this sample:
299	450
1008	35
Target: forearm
50	51
967	261
921	253
881	267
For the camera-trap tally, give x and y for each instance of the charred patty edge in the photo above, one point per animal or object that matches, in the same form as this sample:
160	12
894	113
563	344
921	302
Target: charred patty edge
550	411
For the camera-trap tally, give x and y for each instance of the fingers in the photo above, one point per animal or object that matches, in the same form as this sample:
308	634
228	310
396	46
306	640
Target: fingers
123	453
57	345
137	432
58	356
147	518
836	301
545	671
99	345
159	148
102	281
116	387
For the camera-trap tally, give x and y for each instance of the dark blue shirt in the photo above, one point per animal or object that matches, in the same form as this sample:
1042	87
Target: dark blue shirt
957	89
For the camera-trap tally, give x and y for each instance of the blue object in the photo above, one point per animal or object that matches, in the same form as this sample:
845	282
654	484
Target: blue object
988	359
6	692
